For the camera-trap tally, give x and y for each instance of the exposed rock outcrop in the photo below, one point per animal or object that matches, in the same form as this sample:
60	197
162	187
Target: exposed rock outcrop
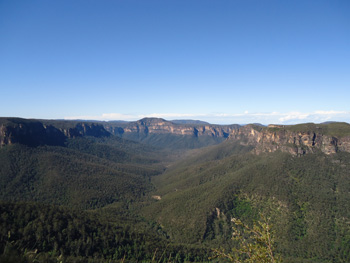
281	138
160	126
85	129
34	132
294	139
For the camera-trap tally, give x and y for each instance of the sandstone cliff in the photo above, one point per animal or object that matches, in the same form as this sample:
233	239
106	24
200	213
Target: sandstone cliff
297	140
160	126
35	132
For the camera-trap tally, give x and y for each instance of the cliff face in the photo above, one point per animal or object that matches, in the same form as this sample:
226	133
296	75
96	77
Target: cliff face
159	126
295	142
85	129
297	139
34	133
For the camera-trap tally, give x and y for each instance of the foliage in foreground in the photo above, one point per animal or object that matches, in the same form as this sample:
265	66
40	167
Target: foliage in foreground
254	244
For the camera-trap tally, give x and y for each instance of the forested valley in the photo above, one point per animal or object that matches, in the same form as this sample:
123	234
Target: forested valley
74	192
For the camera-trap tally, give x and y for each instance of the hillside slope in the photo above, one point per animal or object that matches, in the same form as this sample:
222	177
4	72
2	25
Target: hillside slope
76	164
305	195
298	176
97	177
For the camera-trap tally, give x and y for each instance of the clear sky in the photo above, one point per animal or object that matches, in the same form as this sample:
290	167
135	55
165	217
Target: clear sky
225	61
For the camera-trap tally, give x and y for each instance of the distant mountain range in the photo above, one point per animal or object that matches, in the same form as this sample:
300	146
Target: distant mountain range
296	139
194	122
175	135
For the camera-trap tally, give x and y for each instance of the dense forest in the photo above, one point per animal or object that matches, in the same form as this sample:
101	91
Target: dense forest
90	196
44	233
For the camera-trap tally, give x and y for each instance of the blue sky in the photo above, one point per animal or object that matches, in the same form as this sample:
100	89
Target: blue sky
223	61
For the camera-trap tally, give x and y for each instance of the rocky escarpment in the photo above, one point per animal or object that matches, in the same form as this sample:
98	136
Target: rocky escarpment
34	132
85	129
295	139
148	126
290	139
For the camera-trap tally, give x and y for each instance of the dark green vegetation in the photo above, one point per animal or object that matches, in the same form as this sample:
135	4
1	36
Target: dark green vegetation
174	141
81	170
95	197
99	179
306	197
85	173
43	233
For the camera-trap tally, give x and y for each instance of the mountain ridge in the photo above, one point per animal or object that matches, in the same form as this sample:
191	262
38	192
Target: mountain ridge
296	139
158	125
34	132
